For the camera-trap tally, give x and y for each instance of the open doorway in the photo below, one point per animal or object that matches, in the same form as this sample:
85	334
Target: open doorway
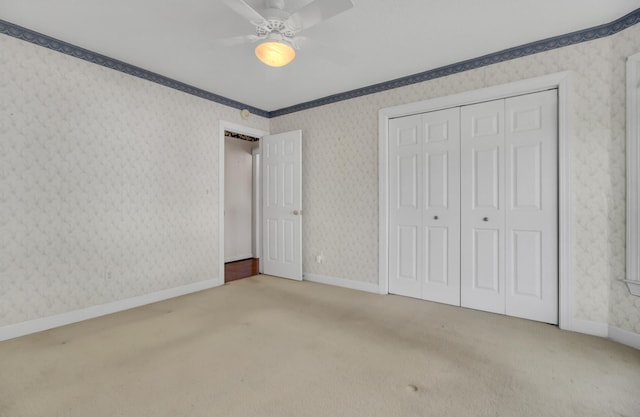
241	205
279	246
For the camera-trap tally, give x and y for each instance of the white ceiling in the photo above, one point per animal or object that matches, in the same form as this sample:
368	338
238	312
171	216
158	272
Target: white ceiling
383	39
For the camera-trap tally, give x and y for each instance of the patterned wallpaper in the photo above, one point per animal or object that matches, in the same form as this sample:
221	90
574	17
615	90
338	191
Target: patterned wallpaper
624	308
340	196
108	184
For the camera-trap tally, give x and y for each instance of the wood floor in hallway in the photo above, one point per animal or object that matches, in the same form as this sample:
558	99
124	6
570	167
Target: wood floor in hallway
241	269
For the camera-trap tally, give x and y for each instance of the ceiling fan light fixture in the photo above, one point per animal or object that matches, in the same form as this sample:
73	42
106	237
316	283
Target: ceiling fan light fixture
275	54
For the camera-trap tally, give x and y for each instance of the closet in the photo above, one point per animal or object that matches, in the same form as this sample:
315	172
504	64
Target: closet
473	206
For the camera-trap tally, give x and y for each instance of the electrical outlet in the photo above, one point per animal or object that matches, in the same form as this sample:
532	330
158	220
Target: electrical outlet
107	275
319	259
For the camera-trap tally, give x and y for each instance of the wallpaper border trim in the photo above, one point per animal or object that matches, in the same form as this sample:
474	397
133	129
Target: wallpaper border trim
45	323
48	42
544	45
532	48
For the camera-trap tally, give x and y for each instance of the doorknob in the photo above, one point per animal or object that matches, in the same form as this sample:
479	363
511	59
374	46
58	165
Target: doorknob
485	219
296	212
435	217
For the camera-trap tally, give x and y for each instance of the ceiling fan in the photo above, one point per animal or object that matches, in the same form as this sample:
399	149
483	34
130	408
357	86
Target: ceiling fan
277	29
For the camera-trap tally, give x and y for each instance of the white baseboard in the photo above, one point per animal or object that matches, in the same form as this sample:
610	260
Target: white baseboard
625	337
341	282
580	326
610	332
592	328
32	326
24	328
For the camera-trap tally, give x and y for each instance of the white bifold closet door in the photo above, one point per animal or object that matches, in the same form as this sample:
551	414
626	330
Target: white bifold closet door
473	206
482	214
509	215
425	207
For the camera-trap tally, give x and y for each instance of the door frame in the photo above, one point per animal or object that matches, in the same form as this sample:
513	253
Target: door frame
561	81
244	130
256	245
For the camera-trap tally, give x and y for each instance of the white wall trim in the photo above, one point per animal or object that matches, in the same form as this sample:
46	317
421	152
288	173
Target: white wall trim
592	328
613	333
232	127
634	286
563	82
633	174
625	337
565	202
257	203
341	282
32	326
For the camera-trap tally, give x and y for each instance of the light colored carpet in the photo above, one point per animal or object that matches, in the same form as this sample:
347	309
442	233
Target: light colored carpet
271	347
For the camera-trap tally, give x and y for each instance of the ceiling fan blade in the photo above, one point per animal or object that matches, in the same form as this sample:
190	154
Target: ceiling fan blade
245	10
317	11
238	40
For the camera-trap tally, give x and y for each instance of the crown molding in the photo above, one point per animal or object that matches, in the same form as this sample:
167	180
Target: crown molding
48	42
532	48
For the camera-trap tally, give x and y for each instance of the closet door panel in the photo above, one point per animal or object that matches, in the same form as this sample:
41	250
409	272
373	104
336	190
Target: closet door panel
486	260
406	234
532	212
473	206
441	215
482	209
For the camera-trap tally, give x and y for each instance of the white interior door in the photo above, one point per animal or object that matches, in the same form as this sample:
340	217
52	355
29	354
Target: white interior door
406	233
482	207
532	199
509	207
282	204
424	206
441	216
